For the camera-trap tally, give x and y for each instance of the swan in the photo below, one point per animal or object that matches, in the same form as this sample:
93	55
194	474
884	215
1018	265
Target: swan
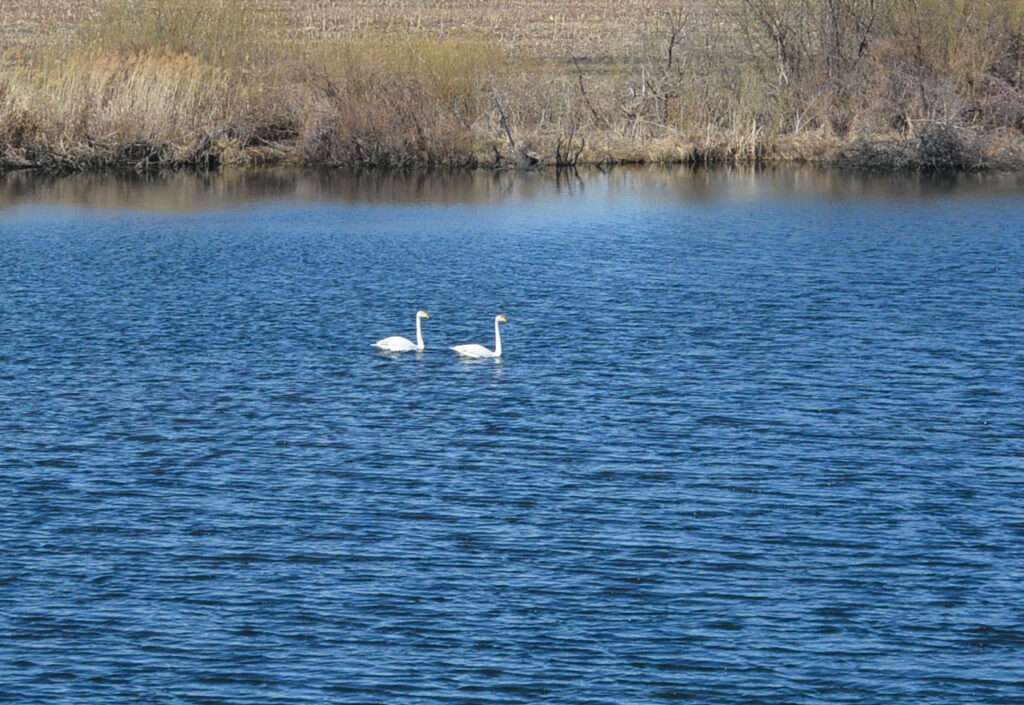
397	343
479	351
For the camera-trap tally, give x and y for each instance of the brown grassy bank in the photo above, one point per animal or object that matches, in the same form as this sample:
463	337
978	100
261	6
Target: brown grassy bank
145	84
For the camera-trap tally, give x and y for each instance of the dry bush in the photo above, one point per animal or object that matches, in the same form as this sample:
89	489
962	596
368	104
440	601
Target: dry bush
140	110
394	102
943	147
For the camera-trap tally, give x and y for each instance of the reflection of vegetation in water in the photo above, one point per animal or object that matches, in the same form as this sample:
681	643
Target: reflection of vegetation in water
188	192
921	84
185	192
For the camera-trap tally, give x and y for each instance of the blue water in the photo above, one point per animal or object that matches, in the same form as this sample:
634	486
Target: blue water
756	438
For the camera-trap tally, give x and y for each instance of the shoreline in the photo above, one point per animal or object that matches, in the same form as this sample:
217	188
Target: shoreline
882	155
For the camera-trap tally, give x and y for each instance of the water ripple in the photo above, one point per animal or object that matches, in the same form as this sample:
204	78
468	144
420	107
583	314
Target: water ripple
741	450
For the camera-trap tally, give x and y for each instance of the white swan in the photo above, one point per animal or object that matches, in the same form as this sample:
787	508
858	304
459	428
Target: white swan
397	343
479	351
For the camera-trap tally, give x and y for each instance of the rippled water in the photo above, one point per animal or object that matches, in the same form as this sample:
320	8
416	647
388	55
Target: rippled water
756	438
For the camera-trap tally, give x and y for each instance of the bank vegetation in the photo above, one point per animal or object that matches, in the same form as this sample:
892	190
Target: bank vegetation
881	84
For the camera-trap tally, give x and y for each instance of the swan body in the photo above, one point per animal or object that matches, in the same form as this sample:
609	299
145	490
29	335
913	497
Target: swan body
473	350
397	343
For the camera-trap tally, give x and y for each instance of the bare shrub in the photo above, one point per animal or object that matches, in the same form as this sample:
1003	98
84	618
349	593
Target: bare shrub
944	147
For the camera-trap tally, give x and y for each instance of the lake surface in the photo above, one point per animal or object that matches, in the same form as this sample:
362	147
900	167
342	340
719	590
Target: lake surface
757	437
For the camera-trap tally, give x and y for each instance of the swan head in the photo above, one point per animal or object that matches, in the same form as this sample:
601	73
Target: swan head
500	318
422	314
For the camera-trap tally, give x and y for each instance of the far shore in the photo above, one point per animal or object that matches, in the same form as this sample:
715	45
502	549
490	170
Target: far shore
199	85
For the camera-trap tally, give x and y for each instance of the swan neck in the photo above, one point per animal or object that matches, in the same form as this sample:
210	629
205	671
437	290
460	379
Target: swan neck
497	339
419	333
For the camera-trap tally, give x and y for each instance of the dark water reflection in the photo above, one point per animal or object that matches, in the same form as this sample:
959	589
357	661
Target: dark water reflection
182	192
758	437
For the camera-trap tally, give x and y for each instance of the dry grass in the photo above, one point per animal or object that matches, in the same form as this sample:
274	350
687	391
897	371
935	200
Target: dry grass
526	29
88	84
